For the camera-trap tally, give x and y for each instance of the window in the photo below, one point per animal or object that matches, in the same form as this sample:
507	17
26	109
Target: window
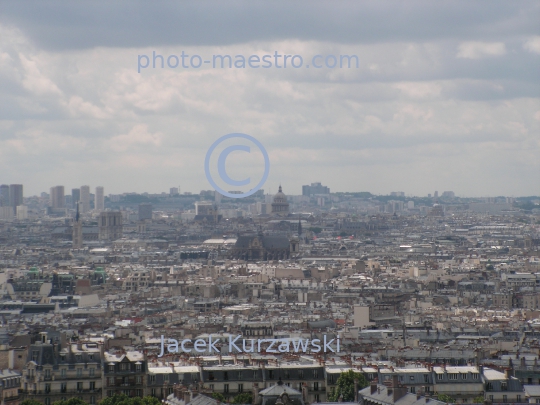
110	393
92	385
505	398
491	398
518	398
63	387
92	400
301	374
111	368
463	376
137	367
270	374
138	379
79	386
226	388
166	378
504	386
426	378
255	374
489	387
92	372
475	376
153	392
413	390
317	398
239	375
111	381
79	372
316	386
90	357
47	401
412	377
152	378
47	373
47	388
211	387
63	373
240	388
211	376
225	375
440	376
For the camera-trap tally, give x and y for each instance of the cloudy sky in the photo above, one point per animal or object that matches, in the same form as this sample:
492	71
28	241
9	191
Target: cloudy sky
446	95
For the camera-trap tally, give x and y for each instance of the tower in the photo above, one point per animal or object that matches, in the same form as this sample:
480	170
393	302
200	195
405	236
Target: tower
75	196
58	199
85	199
4	195
99	199
15	196
110	225
77	230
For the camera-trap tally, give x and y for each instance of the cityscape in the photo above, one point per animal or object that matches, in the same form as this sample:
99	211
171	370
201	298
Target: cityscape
245	202
187	297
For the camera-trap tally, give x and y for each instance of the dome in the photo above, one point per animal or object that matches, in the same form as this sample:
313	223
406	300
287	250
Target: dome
280	197
280	206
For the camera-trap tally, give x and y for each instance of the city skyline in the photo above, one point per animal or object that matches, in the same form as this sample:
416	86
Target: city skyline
446	98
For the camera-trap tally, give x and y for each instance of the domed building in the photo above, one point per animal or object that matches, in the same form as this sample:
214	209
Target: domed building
280	206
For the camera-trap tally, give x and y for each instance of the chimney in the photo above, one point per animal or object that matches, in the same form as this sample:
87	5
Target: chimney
373	386
305	393
507	373
187	397
255	393
356	390
395	381
399	392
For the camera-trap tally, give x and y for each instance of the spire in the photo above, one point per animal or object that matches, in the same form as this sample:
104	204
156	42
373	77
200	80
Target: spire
77	215
279	190
299	226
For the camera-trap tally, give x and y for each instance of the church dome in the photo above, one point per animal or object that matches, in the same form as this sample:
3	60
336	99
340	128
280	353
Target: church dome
280	206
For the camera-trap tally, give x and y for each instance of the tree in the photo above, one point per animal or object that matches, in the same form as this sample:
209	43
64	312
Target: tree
31	402
243	398
122	399
446	398
345	386
478	400
71	401
219	396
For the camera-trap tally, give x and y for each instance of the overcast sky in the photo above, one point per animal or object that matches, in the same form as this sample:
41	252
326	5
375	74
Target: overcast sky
446	95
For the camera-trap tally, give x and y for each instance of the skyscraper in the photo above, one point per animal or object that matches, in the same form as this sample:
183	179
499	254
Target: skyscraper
15	196
75	196
57	197
85	199
99	199
4	195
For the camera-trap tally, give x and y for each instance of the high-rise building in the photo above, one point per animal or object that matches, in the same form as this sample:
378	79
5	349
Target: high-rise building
85	199
15	196
145	211
110	225
4	195
22	212
58	199
315	188
75	196
99	199
174	191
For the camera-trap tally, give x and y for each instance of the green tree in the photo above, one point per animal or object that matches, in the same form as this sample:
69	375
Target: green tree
478	400
446	398
71	401
243	398
345	386
219	396
315	229
31	402
122	399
